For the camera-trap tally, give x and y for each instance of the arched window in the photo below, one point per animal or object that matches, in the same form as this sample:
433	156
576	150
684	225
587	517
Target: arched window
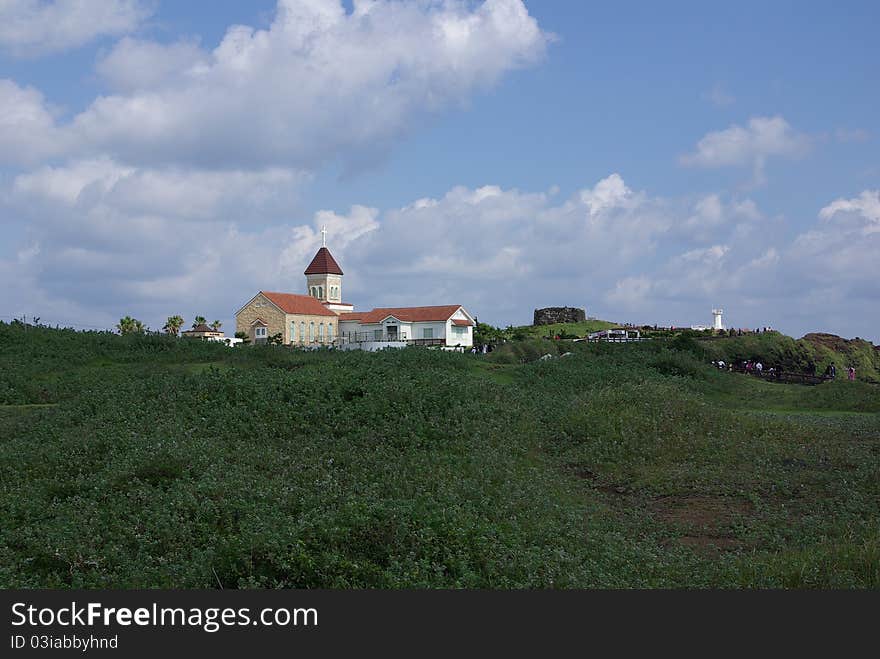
320	292
311	331
330	332
302	331
321	332
293	331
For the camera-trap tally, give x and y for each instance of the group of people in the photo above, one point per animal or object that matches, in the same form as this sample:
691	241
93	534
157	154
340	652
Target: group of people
481	350
757	368
831	372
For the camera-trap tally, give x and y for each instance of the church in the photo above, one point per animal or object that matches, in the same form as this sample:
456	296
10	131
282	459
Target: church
321	318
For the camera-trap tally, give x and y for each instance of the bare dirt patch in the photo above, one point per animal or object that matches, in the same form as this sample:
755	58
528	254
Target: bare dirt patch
706	523
701	510
595	481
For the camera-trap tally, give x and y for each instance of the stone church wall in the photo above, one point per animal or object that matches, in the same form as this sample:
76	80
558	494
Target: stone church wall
551	315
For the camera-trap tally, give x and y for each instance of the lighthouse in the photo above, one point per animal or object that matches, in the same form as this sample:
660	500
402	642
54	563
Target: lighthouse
716	319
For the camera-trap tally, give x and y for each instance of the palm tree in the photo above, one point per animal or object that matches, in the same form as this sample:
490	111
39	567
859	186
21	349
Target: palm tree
129	325
199	320
173	325
216	325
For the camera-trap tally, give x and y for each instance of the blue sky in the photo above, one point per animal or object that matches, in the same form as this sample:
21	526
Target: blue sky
647	161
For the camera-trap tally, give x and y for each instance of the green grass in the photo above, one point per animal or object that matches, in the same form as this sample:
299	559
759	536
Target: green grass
571	329
133	462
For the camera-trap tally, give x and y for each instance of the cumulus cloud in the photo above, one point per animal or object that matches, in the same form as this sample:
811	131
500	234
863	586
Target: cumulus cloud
863	211
40	27
318	84
28	132
750	145
135	64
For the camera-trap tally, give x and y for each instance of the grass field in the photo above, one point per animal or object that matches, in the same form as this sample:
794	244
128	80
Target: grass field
152	462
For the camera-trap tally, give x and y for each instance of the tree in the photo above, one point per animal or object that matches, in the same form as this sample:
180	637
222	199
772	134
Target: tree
275	339
199	320
243	336
173	325
129	325
216	325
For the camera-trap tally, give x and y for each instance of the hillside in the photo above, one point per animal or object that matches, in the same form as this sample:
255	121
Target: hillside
773	348
146	461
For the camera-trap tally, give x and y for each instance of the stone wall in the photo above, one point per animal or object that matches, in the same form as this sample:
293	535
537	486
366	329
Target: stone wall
552	315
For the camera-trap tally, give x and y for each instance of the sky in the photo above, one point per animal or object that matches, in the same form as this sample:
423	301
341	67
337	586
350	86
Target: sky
645	161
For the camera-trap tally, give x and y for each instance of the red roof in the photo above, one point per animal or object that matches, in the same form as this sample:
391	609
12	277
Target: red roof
323	264
461	322
298	304
408	314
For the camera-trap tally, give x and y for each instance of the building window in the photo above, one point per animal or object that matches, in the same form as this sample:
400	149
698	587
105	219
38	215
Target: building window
457	329
377	335
311	331
427	332
330	332
302	331
321	332
320	292
260	333
292	331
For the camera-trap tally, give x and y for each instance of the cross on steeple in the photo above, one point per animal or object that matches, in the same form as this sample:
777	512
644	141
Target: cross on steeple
324	236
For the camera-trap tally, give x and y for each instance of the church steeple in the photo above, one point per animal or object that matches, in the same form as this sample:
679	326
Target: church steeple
324	276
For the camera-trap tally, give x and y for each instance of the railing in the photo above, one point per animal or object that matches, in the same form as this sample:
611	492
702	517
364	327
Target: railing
386	337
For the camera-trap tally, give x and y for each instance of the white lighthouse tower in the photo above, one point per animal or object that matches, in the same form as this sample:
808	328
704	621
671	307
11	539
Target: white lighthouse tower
716	319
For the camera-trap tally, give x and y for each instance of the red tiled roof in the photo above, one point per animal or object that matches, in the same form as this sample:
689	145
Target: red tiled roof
461	322
298	304
323	264
408	314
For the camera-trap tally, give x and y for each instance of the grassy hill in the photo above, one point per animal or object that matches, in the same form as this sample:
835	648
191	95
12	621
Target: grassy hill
144	461
777	349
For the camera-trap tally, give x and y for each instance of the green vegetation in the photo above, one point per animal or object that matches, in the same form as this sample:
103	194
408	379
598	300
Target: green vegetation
821	350
571	330
148	461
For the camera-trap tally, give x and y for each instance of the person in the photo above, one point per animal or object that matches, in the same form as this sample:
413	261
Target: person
474	350
833	371
759	367
851	374
485	348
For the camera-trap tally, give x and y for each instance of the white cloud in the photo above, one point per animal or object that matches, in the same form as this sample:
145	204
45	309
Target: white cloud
607	193
40	27
317	85
101	185
750	145
135	64
27	126
863	211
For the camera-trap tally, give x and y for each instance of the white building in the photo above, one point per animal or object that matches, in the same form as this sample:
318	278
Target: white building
447	325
